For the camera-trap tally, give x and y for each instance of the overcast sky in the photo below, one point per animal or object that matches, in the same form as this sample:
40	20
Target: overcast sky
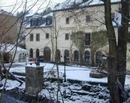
19	5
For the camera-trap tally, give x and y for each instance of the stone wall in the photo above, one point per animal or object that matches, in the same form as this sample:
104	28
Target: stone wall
34	79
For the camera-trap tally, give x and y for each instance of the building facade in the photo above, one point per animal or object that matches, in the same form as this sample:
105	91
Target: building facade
65	21
8	27
39	37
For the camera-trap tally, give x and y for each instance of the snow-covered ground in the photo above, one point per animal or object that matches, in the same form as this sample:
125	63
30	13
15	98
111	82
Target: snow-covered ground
74	72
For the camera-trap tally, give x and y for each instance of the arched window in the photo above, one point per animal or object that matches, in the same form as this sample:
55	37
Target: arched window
66	56
98	57
31	53
37	53
87	56
76	55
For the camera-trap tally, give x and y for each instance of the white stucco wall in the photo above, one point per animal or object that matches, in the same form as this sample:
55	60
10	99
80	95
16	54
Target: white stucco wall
78	23
60	28
38	44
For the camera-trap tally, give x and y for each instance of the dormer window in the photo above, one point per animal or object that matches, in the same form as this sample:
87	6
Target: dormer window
34	22
48	20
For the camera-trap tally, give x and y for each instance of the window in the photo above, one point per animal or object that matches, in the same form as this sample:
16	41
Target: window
87	38
31	37
37	37
88	18
37	53
67	20
31	53
87	56
47	35
67	36
66	56
34	22
76	56
47	22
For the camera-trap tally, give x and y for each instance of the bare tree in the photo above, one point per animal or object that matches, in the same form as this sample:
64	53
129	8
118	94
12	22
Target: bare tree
56	35
15	40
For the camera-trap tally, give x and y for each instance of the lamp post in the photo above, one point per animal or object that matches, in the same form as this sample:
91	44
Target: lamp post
26	58
64	69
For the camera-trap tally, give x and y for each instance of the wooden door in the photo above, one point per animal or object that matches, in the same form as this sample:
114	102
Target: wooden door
47	54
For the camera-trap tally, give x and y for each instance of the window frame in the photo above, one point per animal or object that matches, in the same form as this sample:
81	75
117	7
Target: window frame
47	35
87	56
31	53
66	36
88	18
31	36
76	56
37	37
67	20
37	53
87	39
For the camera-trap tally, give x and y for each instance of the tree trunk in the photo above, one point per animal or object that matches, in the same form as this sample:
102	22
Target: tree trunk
121	55
112	80
81	53
112	59
122	48
92	58
117	53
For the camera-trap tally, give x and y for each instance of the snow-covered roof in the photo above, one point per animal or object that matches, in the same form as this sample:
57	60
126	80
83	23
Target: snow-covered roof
10	48
42	20
5	12
36	16
47	15
32	15
70	3
29	15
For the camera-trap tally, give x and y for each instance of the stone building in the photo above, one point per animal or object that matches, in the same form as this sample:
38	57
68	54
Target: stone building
88	19
8	27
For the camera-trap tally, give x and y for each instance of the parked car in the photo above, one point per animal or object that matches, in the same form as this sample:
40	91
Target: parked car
40	59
